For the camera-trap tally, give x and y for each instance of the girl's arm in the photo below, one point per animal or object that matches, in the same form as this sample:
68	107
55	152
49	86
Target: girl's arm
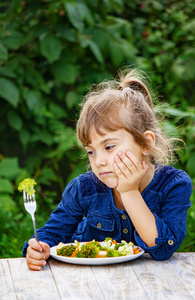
167	200
131	174
63	221
142	218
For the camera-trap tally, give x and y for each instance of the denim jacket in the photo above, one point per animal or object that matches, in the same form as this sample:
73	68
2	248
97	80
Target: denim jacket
87	211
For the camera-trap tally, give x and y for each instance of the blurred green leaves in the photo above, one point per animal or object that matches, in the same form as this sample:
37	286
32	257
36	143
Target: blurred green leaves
50	47
9	91
64	72
6	186
3	53
14	120
78	13
9	168
13	39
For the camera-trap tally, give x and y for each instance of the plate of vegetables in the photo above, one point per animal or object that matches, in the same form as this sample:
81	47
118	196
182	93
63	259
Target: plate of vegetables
96	253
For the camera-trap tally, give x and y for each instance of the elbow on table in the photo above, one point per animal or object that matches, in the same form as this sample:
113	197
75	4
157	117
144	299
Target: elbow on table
161	258
161	254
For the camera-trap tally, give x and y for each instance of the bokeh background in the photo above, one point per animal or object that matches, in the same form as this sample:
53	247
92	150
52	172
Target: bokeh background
51	52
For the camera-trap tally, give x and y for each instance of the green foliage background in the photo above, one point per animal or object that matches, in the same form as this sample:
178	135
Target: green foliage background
51	51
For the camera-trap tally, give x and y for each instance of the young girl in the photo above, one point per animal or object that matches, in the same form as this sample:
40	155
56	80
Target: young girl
130	194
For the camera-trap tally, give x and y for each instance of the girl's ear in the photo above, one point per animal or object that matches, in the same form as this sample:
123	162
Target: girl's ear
150	137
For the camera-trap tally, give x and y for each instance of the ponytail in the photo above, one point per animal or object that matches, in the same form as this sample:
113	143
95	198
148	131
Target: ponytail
135	81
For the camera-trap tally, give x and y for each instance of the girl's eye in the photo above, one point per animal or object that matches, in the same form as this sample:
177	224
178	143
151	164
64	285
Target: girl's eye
110	147
90	152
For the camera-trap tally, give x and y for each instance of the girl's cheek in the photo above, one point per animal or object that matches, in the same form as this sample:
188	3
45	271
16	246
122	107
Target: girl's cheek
113	158
91	164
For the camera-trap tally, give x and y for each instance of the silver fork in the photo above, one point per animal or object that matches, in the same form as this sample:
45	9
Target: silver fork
30	206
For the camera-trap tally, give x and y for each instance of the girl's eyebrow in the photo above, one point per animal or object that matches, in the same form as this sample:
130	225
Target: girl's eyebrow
104	141
108	140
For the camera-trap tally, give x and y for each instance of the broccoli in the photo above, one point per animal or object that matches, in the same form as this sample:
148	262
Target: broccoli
89	250
28	186
94	244
114	253
108	239
66	250
118	245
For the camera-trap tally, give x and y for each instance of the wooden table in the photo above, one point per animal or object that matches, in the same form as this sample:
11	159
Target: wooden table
142	278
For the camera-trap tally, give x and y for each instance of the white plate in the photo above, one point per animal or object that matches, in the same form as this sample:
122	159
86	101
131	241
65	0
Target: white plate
94	261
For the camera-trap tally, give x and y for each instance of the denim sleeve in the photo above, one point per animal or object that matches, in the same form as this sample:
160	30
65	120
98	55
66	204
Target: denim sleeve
64	220
171	221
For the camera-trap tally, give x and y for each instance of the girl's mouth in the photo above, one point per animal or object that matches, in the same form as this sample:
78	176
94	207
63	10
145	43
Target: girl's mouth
104	174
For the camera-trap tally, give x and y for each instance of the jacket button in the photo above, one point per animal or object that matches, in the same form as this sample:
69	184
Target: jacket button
170	242
99	225
125	230
124	217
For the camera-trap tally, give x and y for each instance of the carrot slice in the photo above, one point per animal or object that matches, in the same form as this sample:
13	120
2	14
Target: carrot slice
136	250
74	253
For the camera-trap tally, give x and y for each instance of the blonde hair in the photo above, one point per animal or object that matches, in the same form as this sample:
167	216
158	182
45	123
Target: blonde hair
124	104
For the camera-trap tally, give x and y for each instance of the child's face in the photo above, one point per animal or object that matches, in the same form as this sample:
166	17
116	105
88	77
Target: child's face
104	148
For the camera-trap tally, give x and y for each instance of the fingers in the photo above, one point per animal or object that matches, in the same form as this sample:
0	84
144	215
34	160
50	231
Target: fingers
35	245
127	163
45	248
37	253
35	264
129	170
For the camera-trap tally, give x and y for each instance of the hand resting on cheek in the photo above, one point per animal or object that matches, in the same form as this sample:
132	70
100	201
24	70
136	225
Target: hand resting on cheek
129	170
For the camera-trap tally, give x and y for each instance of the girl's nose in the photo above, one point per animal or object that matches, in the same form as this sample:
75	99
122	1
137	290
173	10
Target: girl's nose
100	161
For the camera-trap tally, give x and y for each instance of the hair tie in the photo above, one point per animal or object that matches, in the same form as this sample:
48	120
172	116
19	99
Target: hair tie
134	93
127	90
